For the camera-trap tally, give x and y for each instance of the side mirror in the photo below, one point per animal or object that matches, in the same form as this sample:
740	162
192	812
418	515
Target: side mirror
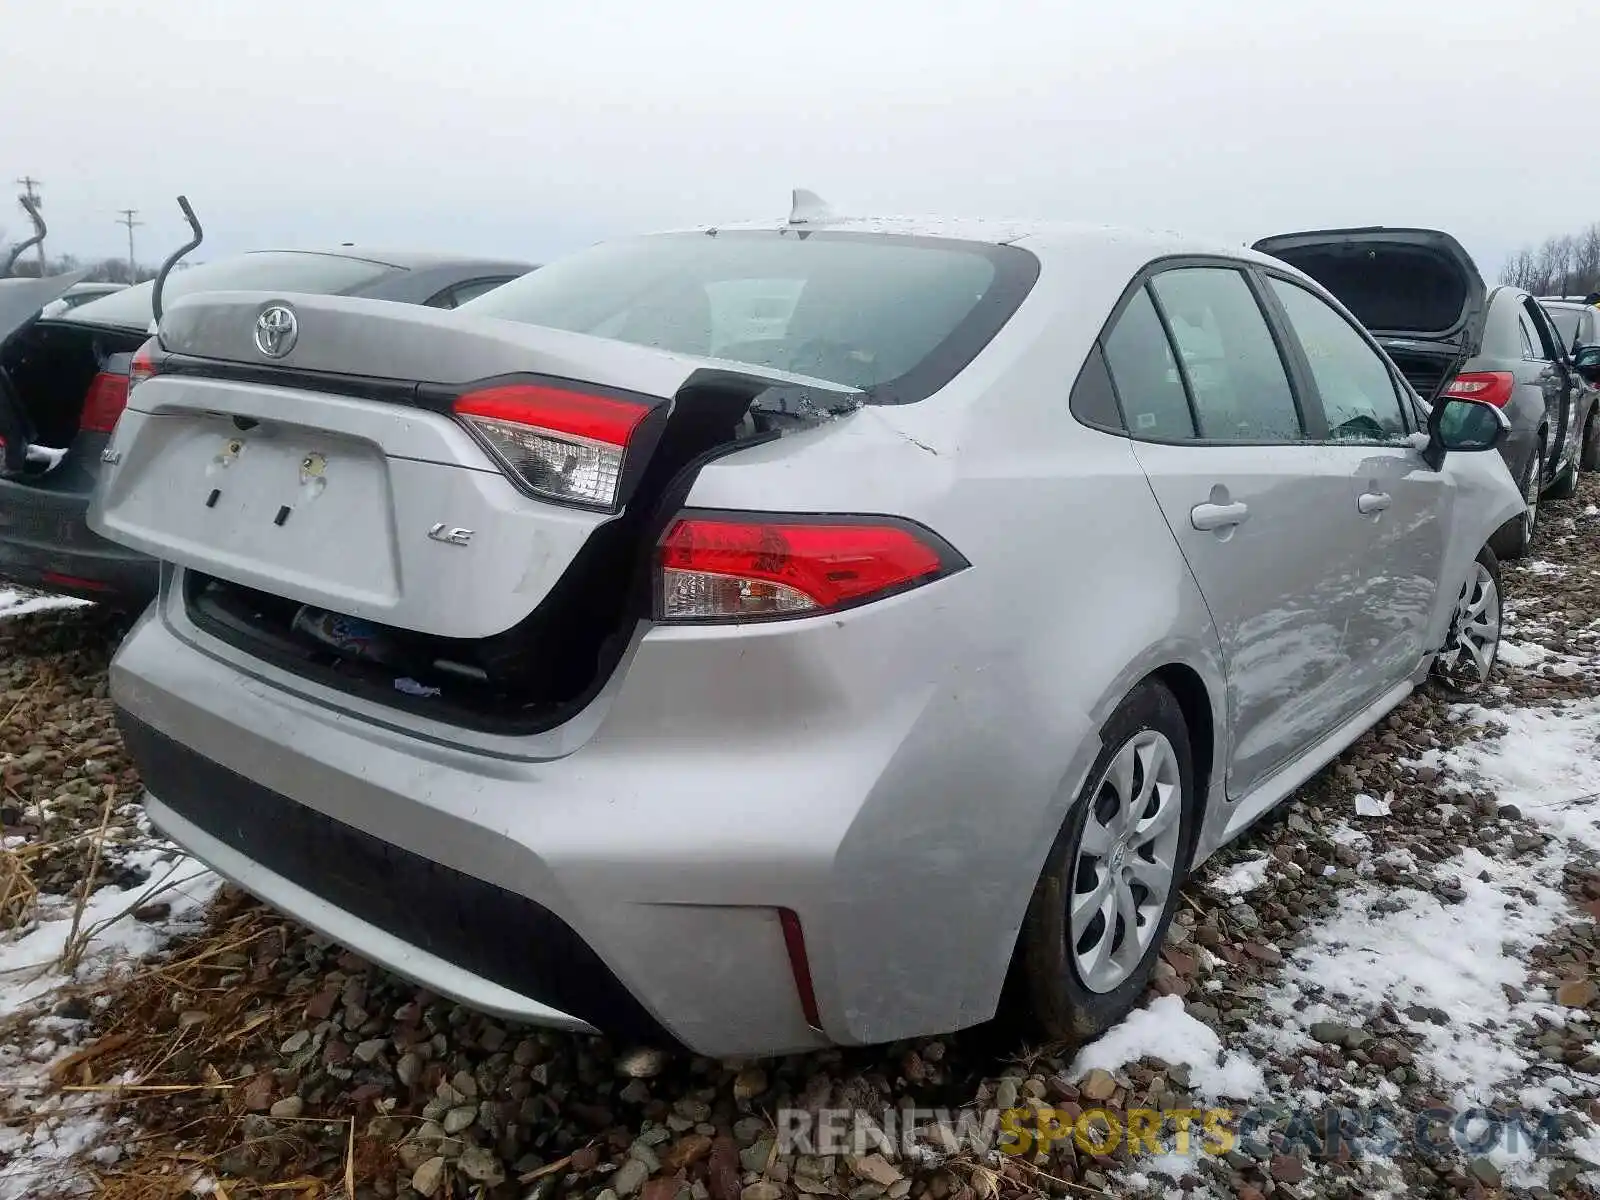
1464	425
1586	361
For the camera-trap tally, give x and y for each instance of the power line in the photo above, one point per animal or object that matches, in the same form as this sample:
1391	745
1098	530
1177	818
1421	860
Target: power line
30	191
127	218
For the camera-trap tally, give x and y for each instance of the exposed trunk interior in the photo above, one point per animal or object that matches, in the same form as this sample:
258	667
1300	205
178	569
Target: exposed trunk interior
51	365
541	671
1427	371
1401	289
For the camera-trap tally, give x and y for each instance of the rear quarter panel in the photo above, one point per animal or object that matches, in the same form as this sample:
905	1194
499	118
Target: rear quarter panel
1076	591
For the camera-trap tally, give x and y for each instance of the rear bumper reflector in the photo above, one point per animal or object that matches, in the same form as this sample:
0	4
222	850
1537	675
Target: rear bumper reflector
795	941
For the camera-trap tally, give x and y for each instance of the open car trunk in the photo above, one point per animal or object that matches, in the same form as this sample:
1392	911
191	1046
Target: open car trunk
337	513
48	369
1416	290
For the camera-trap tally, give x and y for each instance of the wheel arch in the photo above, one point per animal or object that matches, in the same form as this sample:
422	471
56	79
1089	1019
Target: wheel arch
1197	705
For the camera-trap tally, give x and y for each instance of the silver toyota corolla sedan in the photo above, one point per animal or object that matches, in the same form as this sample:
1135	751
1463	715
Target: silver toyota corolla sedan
782	635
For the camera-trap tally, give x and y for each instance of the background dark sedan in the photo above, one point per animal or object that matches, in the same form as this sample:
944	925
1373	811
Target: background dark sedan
1421	295
64	382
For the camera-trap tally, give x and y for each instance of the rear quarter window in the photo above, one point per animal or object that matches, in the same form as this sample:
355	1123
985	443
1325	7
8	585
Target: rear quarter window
895	317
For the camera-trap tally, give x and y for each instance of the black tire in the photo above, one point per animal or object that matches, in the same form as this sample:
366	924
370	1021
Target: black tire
1448	668
1515	537
1061	1005
1589	454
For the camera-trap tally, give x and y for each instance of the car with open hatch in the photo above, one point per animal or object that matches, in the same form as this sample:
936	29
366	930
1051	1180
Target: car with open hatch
809	632
64	377
1421	295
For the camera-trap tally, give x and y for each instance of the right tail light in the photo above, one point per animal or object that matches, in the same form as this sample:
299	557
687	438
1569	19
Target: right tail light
740	567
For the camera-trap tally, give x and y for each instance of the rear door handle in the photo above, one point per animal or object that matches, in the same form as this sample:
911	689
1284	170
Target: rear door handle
1372	502
1207	517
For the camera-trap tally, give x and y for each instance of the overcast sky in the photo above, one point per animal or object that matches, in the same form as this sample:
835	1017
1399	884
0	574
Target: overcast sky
532	127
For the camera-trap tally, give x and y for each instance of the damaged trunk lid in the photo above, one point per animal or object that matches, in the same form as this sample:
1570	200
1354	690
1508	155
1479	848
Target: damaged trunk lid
1416	290
422	470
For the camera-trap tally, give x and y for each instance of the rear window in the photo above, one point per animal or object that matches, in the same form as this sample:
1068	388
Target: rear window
897	317
276	270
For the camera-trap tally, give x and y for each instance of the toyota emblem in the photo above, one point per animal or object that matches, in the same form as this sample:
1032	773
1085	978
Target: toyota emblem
276	331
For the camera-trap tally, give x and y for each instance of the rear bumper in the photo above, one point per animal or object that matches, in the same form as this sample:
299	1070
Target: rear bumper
46	542
636	873
488	947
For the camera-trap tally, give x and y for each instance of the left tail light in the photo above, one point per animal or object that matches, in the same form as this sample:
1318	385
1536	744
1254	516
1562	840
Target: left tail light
749	567
560	444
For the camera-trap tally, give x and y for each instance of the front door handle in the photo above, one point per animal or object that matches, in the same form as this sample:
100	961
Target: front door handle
1208	517
1372	502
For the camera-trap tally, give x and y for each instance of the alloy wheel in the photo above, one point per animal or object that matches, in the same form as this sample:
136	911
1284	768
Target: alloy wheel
1126	861
1475	631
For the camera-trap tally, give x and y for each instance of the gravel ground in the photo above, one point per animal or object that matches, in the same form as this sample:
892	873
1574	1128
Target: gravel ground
1413	937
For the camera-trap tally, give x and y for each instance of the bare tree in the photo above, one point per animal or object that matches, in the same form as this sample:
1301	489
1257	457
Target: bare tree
1518	271
1560	266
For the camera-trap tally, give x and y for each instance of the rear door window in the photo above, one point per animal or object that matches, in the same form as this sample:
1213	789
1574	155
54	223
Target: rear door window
1240	385
896	317
1145	374
1353	381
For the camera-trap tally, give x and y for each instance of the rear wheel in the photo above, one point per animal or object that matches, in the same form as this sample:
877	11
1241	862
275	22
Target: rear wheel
1516	537
1590	454
1473	644
1103	904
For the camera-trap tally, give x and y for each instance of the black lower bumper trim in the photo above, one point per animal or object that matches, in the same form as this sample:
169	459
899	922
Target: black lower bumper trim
482	928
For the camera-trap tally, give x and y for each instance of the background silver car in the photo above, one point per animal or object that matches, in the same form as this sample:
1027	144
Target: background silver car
603	656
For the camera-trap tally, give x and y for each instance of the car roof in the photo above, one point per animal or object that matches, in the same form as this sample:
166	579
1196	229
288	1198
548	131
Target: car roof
1052	237
1577	304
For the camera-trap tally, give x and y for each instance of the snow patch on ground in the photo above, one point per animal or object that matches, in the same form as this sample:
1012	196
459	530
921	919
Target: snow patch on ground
15	603
61	1127
1242	877
1164	1030
1411	949
1523	655
1546	761
28	956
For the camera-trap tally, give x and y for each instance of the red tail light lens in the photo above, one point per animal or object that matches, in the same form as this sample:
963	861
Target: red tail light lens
738	568
1487	387
108	396
561	444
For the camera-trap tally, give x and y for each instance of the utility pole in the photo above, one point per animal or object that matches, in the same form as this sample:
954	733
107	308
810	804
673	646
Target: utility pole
30	191
127	218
